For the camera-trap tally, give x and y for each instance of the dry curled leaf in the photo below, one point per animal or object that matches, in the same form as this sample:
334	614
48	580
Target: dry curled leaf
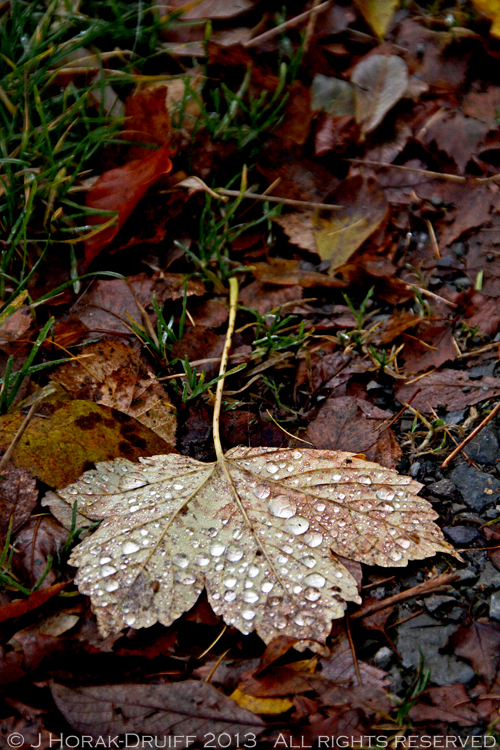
255	528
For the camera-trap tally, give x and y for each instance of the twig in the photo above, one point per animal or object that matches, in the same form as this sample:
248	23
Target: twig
473	434
286	25
277	199
445	579
353	650
427	172
311	24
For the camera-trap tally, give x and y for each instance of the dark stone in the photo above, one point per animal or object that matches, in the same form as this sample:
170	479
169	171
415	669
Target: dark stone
477	488
461	534
455	417
490	578
422	635
435	601
484	447
495	606
444	489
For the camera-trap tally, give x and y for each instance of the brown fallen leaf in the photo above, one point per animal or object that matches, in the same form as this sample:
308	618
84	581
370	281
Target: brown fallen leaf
147	118
457	136
479	643
18	497
113	375
351	424
64	439
339	665
39	539
16	325
107	305
454	389
432	348
450	704
340	233
120	190
283	272
188	709
380	81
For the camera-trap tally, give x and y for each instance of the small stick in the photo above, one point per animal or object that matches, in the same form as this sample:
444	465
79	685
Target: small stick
422	588
17	437
353	650
311	24
287	25
473	434
277	199
426	172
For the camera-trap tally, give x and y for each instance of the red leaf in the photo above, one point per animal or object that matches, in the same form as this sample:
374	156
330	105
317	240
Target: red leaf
35	600
121	190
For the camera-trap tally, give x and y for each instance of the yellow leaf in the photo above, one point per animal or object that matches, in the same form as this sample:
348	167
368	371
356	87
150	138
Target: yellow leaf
378	14
491	9
269	706
340	233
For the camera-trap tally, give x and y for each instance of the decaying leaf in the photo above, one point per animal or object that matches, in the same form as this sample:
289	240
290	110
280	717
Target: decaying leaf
454	389
189	709
64	438
113	375
255	528
340	233
380	81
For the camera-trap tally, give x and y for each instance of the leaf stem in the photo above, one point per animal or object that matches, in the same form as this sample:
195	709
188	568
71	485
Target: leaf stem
233	299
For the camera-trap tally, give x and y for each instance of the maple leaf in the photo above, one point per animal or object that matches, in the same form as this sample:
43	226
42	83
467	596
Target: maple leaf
256	528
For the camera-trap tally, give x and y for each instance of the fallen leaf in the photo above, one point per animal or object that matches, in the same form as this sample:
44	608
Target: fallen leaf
187	709
62	440
483	105
213	9
110	303
380	81
450	704
351	424
432	348
378	14
491	9
192	523
113	375
35	600
268	706
266	297
454	389
457	136
479	643
16	325
40	539
341	232
147	118
339	666
332	95
289	273
18	497
120	190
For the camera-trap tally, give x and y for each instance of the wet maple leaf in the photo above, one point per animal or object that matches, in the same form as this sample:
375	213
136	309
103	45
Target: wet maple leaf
255	528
